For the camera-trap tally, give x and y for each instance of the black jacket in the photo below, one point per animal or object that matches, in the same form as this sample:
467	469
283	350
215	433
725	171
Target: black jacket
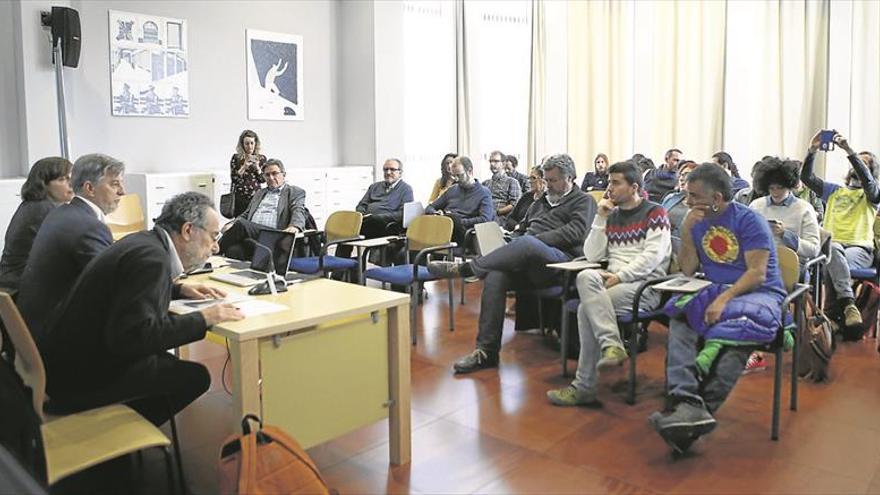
71	235
291	207
116	314
20	236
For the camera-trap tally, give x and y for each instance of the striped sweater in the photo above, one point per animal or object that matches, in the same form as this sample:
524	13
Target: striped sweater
636	242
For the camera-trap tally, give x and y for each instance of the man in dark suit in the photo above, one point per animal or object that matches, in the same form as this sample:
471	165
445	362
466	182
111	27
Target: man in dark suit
70	236
279	205
108	341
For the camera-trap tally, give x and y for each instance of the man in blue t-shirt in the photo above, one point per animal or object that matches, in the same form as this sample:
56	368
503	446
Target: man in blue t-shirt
733	246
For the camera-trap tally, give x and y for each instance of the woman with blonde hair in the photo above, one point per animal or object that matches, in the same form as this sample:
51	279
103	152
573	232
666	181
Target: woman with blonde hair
245	168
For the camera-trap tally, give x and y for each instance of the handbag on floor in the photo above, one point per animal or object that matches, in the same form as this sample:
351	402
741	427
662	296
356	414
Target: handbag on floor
267	461
816	343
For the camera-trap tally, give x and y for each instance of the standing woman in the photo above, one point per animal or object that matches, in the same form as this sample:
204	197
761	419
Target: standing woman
47	186
446	180
245	168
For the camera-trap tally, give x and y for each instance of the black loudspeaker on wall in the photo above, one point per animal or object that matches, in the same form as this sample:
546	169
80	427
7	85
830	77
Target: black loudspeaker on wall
66	30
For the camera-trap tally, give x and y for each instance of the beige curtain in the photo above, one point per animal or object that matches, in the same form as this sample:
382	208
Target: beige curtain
461	79
536	147
865	98
599	81
683	75
777	78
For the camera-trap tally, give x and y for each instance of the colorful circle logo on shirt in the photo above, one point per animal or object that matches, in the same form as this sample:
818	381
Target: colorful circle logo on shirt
720	245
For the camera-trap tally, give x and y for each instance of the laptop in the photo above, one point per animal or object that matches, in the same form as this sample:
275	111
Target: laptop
281	243
412	210
489	237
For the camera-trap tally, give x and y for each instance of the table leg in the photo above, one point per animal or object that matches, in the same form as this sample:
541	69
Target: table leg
362	261
399	384
245	379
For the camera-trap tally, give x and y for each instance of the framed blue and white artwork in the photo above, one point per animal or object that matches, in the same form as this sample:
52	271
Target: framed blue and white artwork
149	66
274	75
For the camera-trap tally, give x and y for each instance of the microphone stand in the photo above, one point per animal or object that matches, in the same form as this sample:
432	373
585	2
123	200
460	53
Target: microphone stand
268	287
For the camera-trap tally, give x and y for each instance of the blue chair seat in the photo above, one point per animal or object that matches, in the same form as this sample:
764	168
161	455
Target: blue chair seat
863	273
399	274
310	264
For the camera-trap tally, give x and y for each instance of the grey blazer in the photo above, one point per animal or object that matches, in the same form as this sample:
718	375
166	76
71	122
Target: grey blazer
291	207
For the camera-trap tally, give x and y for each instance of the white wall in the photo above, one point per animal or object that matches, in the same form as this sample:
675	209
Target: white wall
217	77
356	83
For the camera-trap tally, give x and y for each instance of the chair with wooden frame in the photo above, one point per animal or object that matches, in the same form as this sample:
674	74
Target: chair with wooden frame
426	235
76	442
342	226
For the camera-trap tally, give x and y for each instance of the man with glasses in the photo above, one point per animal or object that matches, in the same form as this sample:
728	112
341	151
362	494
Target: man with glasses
467	202
382	205
109	342
279	205
505	189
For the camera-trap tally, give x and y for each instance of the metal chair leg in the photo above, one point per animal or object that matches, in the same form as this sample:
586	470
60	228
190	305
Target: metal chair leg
777	393
541	316
563	341
413	302
793	405
462	290
176	441
633	353
452	303
168	469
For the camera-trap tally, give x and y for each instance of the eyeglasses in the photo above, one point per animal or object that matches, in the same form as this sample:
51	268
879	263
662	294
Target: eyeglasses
494	161
391	170
272	174
534	178
216	237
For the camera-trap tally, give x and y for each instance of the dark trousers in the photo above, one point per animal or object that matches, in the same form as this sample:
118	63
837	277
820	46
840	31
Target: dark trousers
232	243
157	387
519	264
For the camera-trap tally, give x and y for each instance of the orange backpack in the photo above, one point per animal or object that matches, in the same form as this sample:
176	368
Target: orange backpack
267	461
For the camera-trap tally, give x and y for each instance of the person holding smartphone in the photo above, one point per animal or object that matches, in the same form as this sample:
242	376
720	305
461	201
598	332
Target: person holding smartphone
849	215
245	169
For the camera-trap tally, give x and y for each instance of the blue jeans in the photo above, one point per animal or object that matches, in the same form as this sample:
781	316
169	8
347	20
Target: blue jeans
842	259
519	264
681	368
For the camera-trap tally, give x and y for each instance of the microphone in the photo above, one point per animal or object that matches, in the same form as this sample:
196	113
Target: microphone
267	287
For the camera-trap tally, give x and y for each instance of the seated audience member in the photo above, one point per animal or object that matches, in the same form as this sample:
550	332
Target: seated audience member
598	179
245	169
675	202
510	164
47	186
536	177
792	220
553	231
725	161
467	202
658	182
746	195
633	235
70	237
505	190
446	179
807	194
849	216
733	246
382	205
109	339
278	206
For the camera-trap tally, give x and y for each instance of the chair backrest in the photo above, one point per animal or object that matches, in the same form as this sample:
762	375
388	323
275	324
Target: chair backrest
789	266
343	225
128	217
428	231
597	195
28	362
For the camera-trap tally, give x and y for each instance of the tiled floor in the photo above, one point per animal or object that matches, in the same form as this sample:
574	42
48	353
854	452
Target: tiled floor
494	432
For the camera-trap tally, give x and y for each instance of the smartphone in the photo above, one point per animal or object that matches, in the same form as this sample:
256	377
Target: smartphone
826	142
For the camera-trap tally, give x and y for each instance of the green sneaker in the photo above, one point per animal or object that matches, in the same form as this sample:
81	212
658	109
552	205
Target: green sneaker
612	356
570	396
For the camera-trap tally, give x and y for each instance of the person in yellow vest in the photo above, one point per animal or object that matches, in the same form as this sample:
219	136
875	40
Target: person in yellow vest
849	215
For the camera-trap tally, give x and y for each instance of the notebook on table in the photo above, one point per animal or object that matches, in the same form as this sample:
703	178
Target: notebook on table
281	243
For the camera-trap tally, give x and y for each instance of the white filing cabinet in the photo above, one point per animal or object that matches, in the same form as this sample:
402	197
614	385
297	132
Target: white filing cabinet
10	198
331	189
156	189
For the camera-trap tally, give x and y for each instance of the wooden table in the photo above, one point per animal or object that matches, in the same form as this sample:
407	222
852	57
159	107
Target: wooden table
336	360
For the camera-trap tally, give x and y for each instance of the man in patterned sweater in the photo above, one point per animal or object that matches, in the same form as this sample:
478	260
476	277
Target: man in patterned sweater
634	235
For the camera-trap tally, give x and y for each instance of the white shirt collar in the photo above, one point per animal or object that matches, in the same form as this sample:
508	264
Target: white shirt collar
94	207
176	264
392	185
